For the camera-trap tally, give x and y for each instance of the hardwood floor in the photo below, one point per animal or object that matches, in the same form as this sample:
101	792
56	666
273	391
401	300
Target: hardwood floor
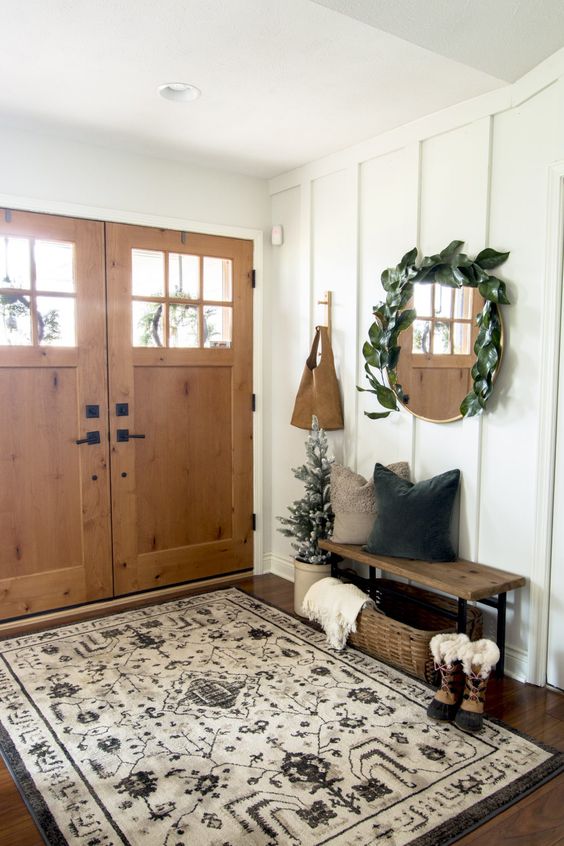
538	820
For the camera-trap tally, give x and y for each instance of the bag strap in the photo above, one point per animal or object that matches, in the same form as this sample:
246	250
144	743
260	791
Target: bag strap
311	360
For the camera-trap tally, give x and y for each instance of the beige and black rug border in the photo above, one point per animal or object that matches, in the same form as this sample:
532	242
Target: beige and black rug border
446	833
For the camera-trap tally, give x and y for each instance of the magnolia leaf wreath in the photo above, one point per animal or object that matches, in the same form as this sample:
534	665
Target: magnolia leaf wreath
456	270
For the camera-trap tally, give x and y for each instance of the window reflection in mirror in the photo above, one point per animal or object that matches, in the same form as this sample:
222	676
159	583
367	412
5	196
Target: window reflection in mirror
437	351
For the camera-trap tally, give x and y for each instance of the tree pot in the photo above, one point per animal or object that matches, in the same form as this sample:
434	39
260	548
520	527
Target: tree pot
306	575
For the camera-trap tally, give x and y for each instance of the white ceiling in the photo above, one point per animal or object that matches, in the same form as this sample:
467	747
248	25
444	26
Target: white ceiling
283	81
505	38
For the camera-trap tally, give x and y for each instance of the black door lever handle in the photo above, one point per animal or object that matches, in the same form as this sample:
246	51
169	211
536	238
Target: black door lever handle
90	439
123	436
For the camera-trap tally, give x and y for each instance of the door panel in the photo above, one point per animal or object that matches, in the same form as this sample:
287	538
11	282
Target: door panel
55	545
180	356
171	464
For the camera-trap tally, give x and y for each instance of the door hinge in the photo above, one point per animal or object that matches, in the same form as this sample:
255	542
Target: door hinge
254	522
254	278
254	402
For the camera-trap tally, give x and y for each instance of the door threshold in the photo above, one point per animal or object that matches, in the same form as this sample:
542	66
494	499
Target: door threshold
91	610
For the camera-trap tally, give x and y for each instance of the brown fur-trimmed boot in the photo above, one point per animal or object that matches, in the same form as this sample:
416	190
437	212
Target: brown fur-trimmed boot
446	650
478	660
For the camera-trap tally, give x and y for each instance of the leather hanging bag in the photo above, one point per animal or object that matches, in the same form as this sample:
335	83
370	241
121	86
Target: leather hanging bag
319	390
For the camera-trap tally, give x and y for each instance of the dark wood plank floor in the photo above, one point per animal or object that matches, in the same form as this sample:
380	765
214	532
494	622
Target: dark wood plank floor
537	820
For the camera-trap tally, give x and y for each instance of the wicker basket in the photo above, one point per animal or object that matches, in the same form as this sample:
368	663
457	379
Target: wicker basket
381	633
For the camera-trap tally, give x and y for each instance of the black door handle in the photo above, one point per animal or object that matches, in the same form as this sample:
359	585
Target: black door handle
90	439
123	436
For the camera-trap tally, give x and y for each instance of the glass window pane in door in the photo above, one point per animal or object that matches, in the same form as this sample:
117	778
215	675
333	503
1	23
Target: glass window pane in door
147	324
15	263
423	299
421	337
15	320
463	299
184	276
218	279
461	338
443	300
56	321
218	326
441	338
54	266
147	273
184	326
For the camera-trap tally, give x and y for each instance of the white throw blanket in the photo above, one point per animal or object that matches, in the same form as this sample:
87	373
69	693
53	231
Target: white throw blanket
335	605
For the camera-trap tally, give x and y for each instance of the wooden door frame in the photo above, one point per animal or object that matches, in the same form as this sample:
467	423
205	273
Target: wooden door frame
108	215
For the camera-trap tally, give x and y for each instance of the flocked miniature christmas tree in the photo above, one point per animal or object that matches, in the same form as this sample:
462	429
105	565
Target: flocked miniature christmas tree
311	518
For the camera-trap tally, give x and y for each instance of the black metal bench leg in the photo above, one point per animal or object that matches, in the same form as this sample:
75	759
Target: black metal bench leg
372	582
501	613
462	612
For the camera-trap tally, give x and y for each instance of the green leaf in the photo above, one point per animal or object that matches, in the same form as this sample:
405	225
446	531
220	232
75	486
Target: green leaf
488	358
390	278
449	276
377	415
469	275
371	355
375	334
459	276
494	290
489	258
386	397
379	312
431	261
406	295
481	275
482	387
393	300
405	319
470	405
451	250
393	357
408	259
424	274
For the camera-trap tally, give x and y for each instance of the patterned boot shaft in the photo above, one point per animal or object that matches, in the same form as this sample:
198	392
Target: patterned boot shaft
470	714
447	698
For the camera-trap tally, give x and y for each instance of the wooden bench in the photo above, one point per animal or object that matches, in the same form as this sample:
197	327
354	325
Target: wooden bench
464	580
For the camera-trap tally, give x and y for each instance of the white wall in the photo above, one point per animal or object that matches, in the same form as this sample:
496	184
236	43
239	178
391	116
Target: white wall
40	167
477	173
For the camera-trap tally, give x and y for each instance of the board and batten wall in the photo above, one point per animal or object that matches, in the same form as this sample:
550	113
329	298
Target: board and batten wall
478	173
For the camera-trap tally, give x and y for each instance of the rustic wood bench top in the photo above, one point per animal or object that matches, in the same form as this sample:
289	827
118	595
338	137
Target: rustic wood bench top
463	579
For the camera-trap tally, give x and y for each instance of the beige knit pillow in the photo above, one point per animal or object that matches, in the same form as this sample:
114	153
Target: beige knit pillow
354	504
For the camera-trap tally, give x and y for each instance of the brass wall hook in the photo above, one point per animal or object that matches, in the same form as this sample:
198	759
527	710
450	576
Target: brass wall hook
327	301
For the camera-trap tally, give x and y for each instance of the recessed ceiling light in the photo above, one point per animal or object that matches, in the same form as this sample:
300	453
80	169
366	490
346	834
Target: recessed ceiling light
180	92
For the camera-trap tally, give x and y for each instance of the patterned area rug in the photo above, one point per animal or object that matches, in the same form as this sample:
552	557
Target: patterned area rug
219	720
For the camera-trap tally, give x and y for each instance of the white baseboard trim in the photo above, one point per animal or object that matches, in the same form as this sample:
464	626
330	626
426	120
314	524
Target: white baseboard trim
278	566
516	664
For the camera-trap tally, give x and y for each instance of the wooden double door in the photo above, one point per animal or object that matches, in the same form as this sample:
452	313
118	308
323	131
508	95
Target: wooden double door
125	409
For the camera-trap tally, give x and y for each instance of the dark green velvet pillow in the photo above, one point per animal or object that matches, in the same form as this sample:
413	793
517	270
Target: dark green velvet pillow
414	520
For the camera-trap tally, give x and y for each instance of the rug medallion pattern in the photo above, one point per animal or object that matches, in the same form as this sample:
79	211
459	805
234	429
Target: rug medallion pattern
218	720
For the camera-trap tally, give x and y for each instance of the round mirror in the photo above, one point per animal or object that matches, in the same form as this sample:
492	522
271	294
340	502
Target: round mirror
437	351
